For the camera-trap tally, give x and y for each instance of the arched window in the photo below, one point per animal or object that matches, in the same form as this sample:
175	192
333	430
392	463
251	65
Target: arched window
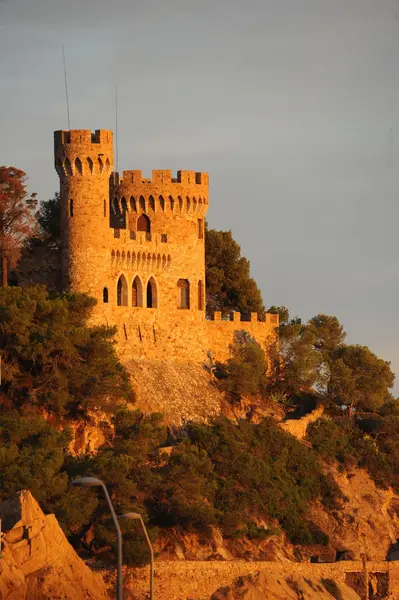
67	166
71	207
200	295
137	292
121	291
78	165
100	165
90	164
105	295
124	206
152	299
144	224
184	293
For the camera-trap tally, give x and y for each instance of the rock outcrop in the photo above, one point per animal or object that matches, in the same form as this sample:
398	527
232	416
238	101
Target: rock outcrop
267	586
37	560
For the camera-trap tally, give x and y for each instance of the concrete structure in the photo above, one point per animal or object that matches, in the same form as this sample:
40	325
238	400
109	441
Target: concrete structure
137	246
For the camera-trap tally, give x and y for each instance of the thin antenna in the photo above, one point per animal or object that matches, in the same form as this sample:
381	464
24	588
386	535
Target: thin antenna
116	129
66	87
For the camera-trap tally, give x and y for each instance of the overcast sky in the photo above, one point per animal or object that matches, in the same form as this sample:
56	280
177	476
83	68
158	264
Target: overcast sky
292	107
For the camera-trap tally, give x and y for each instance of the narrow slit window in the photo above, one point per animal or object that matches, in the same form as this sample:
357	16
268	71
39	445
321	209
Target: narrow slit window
200	229
105	208
71	207
105	295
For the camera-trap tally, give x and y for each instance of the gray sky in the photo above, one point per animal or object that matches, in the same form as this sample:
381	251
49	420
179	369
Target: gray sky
292	106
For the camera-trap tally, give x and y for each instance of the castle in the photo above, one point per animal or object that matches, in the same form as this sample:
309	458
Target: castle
137	246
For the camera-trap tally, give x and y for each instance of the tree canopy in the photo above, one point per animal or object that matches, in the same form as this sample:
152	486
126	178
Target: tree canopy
228	282
51	358
17	212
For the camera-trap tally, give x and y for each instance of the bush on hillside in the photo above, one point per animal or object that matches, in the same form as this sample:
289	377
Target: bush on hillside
51	358
243	374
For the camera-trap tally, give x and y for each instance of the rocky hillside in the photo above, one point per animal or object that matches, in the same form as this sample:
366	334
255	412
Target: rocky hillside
38	563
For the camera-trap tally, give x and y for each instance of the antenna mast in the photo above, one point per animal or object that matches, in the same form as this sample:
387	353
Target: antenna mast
116	129
66	87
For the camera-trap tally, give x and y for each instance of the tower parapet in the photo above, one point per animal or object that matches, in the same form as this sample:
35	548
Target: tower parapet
185	194
81	152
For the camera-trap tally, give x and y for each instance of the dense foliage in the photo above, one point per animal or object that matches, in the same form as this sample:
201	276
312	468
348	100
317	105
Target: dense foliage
17	222
244	373
222	474
228	282
51	359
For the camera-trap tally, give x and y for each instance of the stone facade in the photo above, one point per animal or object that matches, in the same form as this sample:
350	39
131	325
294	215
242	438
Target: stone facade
137	246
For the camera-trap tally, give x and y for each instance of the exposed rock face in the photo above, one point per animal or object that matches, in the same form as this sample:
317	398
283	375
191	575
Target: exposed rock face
38	563
182	392
367	521
267	586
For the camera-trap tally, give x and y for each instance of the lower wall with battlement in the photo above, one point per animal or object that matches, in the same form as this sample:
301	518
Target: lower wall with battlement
187	337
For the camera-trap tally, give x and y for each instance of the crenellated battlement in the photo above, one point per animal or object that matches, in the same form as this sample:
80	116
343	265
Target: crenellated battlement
83	137
80	152
186	193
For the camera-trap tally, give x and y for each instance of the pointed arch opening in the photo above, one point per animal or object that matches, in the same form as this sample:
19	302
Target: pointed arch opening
78	165
124	206
142	203
152	296
90	164
151	203
162	203
101	165
137	292
67	166
121	291
133	203
144	224
183	286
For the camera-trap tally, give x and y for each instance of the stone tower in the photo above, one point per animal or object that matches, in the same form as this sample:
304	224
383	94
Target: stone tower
84	163
130	242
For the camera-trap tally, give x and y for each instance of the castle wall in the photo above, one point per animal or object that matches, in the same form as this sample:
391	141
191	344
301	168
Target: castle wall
137	245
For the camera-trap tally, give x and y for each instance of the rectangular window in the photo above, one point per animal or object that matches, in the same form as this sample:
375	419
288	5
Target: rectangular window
132	235
164	238
200	229
117	233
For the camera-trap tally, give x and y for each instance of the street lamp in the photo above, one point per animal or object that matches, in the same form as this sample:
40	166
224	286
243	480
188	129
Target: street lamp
136	516
88	482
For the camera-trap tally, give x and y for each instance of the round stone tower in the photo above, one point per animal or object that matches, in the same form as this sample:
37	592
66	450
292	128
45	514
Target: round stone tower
84	163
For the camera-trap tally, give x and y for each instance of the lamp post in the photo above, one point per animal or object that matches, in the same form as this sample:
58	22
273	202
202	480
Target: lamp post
136	516
88	482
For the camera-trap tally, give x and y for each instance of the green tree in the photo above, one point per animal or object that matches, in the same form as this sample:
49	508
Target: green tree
51	359
244	373
229	284
295	364
359	379
17	223
49	221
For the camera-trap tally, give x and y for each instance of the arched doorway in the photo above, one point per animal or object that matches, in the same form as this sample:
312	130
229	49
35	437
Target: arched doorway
137	292
121	291
152	297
